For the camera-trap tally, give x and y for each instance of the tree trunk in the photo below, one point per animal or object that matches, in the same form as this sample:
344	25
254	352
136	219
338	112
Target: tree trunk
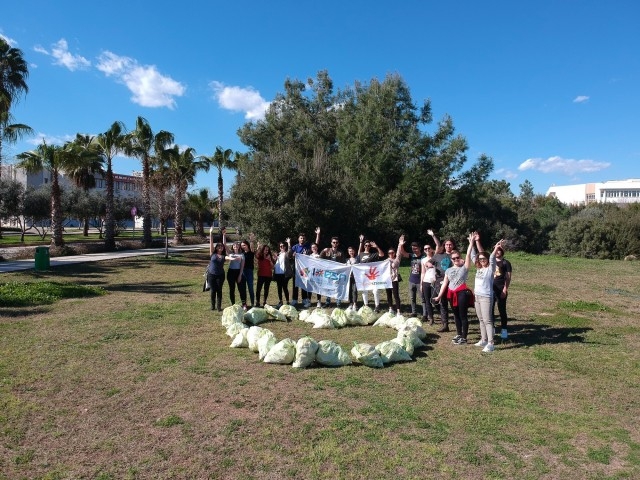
109	229
57	238
146	202
178	239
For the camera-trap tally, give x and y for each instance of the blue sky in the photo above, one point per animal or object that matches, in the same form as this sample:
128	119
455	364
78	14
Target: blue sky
548	89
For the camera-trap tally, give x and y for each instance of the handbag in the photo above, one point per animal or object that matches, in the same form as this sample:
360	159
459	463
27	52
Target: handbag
206	287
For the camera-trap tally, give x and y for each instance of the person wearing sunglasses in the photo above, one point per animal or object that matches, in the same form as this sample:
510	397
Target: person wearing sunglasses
455	288
283	270
416	256
366	254
336	254
427	282
393	293
483	290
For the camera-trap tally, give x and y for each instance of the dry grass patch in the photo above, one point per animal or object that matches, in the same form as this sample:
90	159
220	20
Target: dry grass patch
140	383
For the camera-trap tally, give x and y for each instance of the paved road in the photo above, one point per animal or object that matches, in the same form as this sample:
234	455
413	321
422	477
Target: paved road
18	265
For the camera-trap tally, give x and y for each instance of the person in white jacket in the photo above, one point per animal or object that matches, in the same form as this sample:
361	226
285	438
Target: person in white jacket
483	290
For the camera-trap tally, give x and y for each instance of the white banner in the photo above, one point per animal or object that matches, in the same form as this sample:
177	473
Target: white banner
325	277
372	276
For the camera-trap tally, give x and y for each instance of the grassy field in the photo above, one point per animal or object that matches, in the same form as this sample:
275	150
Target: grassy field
120	370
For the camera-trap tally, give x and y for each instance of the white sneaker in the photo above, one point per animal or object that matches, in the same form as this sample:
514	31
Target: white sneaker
481	343
319	305
391	310
503	333
488	348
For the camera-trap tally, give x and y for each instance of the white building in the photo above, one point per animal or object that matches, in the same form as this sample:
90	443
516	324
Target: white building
613	191
123	185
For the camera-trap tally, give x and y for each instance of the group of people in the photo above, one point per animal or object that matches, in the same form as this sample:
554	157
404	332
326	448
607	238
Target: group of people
437	277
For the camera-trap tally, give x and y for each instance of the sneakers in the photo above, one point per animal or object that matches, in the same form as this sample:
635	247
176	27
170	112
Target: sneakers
278	305
431	321
443	329
319	305
425	319
503	333
244	307
391	310
306	303
376	310
456	338
481	343
293	303
460	341
326	304
488	348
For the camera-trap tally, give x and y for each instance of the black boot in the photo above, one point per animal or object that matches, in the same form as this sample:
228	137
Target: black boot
445	326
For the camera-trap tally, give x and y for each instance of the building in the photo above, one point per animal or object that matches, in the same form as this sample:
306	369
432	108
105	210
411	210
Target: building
621	192
123	185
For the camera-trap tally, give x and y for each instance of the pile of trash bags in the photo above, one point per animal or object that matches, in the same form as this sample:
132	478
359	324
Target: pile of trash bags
242	327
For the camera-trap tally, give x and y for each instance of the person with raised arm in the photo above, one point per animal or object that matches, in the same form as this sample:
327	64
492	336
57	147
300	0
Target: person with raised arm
366	255
248	248
283	270
441	260
483	291
454	287
215	272
302	248
235	275
266	261
414	273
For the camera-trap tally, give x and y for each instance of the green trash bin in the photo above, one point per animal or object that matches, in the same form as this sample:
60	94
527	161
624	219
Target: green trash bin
42	258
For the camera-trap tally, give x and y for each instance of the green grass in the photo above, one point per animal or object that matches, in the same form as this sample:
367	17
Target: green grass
23	294
140	383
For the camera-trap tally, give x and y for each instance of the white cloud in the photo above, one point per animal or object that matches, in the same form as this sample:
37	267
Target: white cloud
60	52
49	139
568	166
239	99
506	173
580	99
149	87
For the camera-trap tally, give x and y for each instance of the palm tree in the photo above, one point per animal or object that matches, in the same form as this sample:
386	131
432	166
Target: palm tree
109	144
201	205
13	82
10	133
182	167
221	159
87	163
56	159
142	143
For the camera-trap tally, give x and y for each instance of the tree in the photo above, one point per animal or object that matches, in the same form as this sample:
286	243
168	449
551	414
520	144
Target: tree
13	83
360	160
56	159
199	208
109	144
221	159
143	144
11	199
181	168
37	210
87	163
